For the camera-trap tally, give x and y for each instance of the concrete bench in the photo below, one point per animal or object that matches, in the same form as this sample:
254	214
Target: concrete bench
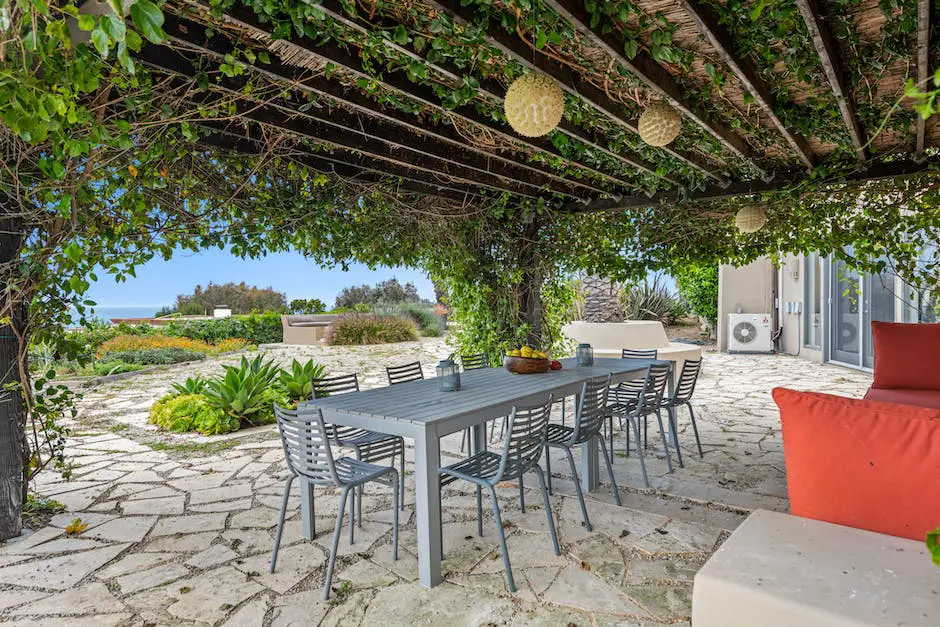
608	339
306	329
778	570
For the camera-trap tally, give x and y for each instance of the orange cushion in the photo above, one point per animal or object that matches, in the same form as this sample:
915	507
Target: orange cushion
920	398
907	356
863	464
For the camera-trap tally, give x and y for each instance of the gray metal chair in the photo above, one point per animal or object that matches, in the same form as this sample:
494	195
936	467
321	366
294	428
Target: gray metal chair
369	446
310	459
405	373
683	396
521	451
589	419
633	410
628	391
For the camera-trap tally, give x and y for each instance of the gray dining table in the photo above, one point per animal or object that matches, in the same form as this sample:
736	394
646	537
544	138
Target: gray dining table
421	412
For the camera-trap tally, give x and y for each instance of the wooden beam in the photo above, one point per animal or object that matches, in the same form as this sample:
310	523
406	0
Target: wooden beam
780	181
923	69
707	22
244	144
193	36
346	129
246	19
829	57
566	78
654	76
488	86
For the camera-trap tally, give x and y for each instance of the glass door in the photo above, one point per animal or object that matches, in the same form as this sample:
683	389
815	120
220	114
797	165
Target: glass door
845	315
878	303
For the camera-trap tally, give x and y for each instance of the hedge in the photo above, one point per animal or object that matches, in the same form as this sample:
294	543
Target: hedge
264	328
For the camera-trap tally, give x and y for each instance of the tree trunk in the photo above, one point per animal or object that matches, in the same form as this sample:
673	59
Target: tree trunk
530	301
601	300
12	409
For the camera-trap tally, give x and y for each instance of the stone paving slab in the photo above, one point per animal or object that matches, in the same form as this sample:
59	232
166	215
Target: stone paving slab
185	540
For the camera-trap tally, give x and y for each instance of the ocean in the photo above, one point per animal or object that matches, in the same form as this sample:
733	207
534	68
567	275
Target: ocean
105	313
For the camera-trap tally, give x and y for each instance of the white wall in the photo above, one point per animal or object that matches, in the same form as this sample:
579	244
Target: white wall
746	289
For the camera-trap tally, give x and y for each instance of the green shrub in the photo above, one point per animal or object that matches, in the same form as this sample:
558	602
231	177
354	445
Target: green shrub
429	323
297	382
358	329
112	366
246	392
264	328
155	356
650	300
698	285
191	412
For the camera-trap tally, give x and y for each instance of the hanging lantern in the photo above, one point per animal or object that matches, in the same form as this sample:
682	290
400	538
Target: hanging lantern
533	105
750	219
660	124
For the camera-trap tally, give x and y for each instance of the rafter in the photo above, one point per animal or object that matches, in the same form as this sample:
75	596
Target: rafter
244	144
246	20
829	57
923	68
706	20
569	80
653	75
780	181
193	36
399	150
491	88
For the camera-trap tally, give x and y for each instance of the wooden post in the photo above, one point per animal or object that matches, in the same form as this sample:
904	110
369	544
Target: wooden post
12	408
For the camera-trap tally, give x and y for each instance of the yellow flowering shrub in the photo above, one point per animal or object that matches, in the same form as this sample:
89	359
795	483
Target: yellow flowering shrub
159	341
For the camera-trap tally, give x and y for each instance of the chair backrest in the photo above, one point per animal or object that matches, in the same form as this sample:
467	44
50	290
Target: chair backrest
654	385
592	409
306	445
632	353
475	362
404	374
687	379
331	386
528	428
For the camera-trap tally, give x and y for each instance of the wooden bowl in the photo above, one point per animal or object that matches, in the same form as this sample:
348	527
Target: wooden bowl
526	365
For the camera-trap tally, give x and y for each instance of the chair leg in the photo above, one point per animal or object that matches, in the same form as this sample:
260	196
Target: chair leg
493	431
359	504
479	511
502	538
662	436
521	494
610	471
548	468
626	433
280	521
698	442
646	440
639	452
548	509
336	532
674	431
352	515
577	487
564	403
395	495
463	440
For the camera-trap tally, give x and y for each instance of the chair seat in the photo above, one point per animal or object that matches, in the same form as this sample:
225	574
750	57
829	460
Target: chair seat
558	434
353	471
351	436
482	466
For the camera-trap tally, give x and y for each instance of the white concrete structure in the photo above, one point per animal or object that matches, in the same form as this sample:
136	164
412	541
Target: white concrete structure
221	312
608	339
778	570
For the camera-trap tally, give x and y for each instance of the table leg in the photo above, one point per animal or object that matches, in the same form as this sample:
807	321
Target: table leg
479	438
307	513
590	466
428	507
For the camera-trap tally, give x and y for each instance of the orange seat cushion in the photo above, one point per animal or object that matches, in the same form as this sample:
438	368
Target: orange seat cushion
907	356
861	463
921	398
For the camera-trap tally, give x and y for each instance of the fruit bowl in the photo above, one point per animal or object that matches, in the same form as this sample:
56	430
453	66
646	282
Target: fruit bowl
526	365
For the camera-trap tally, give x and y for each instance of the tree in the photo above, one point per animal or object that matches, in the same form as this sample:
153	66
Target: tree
307	306
698	286
390	291
239	297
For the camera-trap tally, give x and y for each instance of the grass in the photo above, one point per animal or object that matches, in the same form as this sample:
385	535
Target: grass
195	447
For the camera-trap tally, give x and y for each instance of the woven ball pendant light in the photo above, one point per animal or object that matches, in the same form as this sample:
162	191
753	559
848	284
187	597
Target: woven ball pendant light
533	105
750	219
660	124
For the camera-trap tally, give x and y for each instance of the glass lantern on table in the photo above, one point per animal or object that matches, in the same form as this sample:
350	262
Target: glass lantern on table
448	376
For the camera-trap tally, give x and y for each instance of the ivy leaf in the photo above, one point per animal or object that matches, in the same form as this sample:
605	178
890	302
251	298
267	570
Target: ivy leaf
757	9
630	48
541	39
113	27
73	251
149	19
100	40
86	22
400	35
133	40
936	78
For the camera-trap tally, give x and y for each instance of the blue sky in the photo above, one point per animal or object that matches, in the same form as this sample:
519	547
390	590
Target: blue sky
158	282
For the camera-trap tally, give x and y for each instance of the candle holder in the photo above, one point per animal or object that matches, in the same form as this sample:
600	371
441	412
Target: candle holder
448	376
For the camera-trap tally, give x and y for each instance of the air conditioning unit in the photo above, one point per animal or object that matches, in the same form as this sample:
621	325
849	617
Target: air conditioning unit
749	333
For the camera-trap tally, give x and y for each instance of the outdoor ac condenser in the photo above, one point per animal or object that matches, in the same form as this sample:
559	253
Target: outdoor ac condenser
749	333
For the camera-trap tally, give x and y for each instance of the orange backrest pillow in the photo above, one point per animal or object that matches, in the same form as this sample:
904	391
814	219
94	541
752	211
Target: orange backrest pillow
907	356
863	464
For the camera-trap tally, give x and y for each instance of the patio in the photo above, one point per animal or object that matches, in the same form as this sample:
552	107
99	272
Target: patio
183	536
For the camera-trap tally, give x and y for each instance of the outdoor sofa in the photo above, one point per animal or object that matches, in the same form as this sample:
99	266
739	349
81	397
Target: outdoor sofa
306	329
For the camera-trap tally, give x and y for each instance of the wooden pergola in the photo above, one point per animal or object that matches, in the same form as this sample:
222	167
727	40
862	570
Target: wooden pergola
366	90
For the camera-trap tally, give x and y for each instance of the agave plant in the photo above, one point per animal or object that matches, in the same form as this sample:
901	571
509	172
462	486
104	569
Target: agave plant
246	391
298	381
192	385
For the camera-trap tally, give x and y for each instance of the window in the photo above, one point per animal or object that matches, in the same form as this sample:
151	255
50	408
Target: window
812	299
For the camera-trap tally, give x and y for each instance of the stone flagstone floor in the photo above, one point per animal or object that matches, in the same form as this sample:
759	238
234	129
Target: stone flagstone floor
182	537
